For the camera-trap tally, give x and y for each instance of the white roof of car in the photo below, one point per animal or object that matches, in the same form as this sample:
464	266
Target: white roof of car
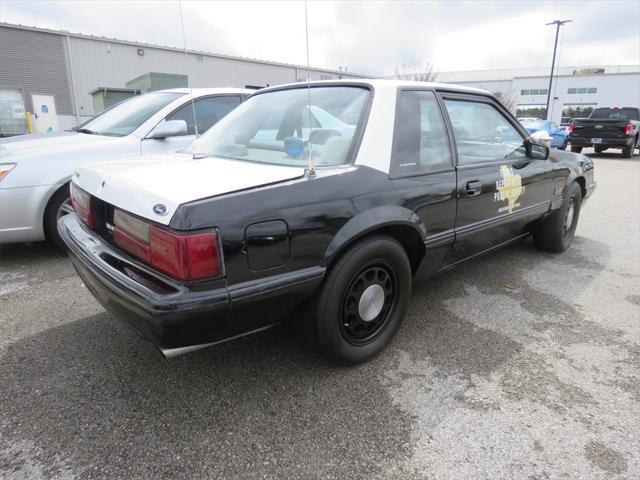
199	92
386	83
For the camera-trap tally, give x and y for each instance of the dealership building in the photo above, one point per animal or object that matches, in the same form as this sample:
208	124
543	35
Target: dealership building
575	90
53	80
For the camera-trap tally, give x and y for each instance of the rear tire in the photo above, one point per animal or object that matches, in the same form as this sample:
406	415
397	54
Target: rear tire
627	152
59	205
576	149
555	233
363	300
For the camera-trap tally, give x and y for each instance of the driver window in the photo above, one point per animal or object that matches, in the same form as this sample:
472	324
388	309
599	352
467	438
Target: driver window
482	133
208	111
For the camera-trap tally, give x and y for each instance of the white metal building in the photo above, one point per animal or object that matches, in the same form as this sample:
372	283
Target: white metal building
575	89
51	73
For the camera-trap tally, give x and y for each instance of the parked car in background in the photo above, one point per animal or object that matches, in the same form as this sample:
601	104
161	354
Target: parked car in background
555	137
607	127
35	169
525	120
193	251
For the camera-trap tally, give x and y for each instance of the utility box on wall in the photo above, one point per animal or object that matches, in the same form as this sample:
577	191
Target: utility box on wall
105	97
158	81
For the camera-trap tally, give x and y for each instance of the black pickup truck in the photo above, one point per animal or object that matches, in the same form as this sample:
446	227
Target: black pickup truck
607	127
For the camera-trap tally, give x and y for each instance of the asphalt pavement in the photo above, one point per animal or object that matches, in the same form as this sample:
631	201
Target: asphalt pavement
518	365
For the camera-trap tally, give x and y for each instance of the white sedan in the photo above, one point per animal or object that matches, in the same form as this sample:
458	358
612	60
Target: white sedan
35	169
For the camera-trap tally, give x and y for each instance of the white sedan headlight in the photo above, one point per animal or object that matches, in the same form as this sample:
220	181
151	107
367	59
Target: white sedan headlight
5	168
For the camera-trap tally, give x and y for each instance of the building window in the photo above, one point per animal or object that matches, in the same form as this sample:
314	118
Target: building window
326	77
13	119
535	91
582	91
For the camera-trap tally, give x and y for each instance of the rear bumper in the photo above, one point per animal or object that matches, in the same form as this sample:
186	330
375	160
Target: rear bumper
175	317
606	142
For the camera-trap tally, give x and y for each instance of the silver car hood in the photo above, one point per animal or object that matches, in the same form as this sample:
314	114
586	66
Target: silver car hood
27	146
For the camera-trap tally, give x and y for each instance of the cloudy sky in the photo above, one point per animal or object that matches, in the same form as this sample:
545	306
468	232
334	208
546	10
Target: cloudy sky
373	37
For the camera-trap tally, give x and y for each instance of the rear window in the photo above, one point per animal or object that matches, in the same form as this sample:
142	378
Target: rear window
285	127
615	114
420	141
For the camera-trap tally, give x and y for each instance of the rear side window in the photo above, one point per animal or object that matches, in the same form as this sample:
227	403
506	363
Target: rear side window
420	141
208	112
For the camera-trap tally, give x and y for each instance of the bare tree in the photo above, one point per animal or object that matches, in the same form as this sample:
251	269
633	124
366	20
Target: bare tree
421	73
506	100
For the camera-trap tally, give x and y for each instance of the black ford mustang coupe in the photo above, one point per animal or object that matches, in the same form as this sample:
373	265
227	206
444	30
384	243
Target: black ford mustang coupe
328	196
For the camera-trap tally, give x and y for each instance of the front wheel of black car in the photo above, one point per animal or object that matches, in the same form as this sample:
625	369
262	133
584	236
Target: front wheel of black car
555	233
576	149
363	300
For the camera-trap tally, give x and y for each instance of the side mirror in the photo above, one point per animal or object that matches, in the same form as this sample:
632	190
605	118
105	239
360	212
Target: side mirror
542	137
169	128
537	151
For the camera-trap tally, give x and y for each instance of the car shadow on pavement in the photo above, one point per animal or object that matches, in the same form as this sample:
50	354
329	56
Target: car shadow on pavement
15	253
91	394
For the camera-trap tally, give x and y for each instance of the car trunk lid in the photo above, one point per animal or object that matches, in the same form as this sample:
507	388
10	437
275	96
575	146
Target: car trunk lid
154	187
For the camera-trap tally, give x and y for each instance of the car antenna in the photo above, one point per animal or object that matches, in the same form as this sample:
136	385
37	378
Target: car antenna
311	166
186	54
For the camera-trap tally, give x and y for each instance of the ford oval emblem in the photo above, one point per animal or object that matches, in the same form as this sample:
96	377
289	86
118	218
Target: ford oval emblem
159	209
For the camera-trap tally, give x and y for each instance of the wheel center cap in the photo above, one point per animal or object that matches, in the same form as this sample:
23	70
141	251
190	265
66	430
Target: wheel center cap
569	219
371	302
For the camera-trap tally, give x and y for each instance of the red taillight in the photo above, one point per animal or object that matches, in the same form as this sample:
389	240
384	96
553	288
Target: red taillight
182	256
81	202
187	257
628	130
571	127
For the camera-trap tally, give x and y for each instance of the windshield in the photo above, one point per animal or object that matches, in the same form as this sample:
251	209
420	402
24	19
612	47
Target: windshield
125	117
615	114
279	127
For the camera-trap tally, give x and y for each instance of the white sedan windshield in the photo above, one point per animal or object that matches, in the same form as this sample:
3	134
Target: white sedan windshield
283	127
125	117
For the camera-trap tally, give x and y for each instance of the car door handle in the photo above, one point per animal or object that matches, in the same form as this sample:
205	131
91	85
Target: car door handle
473	188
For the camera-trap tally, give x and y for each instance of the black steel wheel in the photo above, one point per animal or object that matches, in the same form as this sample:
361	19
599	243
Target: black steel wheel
363	300
367	304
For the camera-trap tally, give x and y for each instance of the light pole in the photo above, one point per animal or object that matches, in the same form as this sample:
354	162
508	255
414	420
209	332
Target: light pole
558	24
